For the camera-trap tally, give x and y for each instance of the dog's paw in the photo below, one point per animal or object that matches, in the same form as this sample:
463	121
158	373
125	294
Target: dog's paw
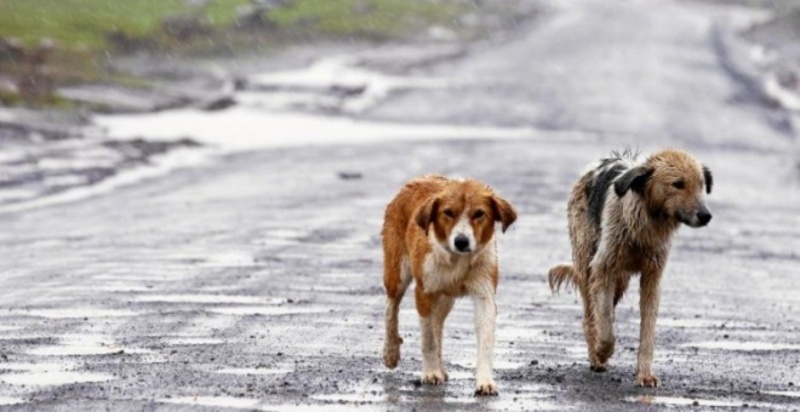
391	355
599	368
604	349
433	378
647	380
486	388
597	364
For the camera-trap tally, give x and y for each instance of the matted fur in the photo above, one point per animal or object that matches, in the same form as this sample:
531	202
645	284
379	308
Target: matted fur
622	216
423	228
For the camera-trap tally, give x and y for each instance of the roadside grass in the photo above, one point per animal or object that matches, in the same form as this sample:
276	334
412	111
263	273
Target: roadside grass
80	30
374	19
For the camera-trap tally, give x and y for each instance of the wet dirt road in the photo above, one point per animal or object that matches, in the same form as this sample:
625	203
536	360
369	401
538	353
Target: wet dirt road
254	282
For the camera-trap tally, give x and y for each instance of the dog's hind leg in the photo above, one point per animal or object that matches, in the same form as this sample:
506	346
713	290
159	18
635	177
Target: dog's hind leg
650	296
397	277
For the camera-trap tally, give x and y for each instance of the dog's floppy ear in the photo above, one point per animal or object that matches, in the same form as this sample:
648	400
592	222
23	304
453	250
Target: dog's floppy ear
503	211
709	179
633	179
426	213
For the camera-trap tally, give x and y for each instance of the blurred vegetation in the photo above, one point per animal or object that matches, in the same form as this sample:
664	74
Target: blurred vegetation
83	35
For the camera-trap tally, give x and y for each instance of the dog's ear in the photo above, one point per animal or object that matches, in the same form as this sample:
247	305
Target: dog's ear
503	211
426	213
709	179
634	179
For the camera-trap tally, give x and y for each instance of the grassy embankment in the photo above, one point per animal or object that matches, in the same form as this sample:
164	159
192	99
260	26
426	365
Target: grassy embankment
80	30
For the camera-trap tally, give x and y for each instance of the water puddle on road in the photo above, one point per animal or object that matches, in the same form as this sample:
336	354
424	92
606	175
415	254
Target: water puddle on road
790	394
210	299
6	401
54	378
266	310
79	345
77	313
213	402
680	401
350	397
743	346
193	341
703	324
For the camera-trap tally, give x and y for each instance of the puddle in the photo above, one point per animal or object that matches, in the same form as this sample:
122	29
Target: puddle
194	341
743	346
255	371
791	394
228	259
266	310
7	328
213	401
497	364
84	346
54	378
702	323
210	298
69	313
677	401
5	401
349	397
454	375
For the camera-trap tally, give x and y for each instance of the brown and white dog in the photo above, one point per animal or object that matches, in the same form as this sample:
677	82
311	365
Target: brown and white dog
622	216
440	233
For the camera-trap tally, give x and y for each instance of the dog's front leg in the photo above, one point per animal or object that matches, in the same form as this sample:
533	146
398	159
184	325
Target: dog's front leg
649	300
602	299
427	305
483	297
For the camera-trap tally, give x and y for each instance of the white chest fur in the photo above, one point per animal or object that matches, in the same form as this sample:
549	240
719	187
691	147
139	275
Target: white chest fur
450	273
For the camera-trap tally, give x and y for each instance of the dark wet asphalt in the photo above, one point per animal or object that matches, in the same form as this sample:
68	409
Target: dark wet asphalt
254	282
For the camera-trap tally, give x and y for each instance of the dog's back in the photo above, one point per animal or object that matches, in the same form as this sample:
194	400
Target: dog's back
585	214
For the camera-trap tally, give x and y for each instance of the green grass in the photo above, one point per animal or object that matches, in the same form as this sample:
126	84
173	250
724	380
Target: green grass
372	18
80	28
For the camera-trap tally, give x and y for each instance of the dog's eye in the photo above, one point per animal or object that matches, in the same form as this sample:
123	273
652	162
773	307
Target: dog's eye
449	213
679	184
478	214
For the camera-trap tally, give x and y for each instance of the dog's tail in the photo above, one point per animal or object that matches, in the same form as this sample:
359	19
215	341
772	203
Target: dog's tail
562	274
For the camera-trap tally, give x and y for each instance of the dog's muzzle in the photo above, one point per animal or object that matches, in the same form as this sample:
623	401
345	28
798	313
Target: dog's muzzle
699	218
461	244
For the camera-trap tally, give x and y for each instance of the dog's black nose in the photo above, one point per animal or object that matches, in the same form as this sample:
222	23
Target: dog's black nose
704	216
461	243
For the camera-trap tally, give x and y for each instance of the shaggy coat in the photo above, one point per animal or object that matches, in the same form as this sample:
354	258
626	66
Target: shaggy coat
622	216
440	233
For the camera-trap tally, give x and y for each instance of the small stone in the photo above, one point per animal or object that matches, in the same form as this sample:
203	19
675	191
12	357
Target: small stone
695	403
534	362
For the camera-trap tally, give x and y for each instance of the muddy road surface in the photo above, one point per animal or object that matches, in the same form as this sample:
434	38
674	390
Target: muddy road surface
252	281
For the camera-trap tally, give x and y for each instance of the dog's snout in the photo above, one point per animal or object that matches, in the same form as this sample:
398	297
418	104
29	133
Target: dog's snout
704	216
461	243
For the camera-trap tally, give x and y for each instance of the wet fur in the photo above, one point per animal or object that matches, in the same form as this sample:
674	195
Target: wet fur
416	241
622	216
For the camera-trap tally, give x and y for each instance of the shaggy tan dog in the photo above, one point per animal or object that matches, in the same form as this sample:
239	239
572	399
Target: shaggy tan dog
622	216
440	233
